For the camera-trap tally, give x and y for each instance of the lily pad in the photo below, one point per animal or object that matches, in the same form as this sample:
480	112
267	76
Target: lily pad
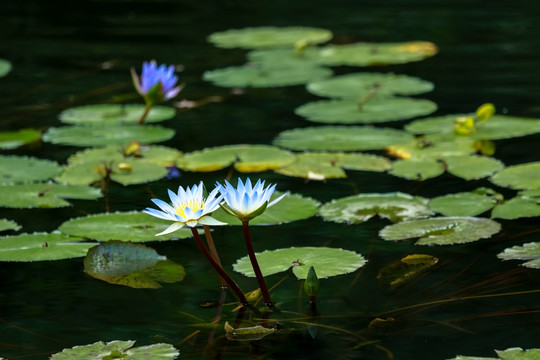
15	139
463	204
251	333
362	207
528	251
24	169
472	167
326	261
285	57
133	265
321	166
114	114
5	67
525	204
433	147
160	155
125	226
359	85
44	195
376	110
508	354
107	135
258	75
268	36
406	269
292	207
41	247
442	230
117	350
6	224
520	177
244	158
417	169
341	138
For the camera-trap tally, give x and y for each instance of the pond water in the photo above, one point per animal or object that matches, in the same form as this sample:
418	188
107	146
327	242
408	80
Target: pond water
67	54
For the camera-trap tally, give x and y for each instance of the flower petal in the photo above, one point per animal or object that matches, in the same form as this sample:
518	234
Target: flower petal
175	226
210	221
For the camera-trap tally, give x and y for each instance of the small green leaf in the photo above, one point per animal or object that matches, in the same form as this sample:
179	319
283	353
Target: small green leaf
472	167
417	168
6	224
528	251
5	67
520	177
44	195
114	114
15	139
251	333
406	269
523	205
24	169
117	350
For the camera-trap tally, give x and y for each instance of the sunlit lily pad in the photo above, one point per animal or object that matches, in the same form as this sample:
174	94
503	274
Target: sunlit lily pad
341	138
5	67
268	36
442	231
528	251
107	135
161	155
44	195
22	169
257	75
496	127
463	204
406	269
472	167
359	85
6	224
114	114
520	177
508	354
292	207
42	246
326	261
417	168
15	139
321	166
376	110
125	226
252	333
362	207
525	204
244	158
117	350
433	147
133	265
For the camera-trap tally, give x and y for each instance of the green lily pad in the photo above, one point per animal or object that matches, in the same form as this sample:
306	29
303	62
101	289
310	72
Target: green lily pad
15	139
160	155
463	204
107	135
326	261
258	75
292	207
528	251
406	269
245	158
496	127
359	85
133	265
520	177
284	58
24	169
472	167
417	169
362	207
321	166
525	204
125	226
5	67
370	54
6	224
433	147
442	231
41	247
115	114
252	333
376	110
117	350
268	36
508	354
44	195
341	138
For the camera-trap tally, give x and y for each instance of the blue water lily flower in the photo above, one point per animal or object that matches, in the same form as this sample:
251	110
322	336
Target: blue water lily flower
157	83
188	208
247	201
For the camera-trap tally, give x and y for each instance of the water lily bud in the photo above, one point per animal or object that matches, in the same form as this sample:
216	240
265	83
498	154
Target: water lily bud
311	284
485	111
464	125
125	167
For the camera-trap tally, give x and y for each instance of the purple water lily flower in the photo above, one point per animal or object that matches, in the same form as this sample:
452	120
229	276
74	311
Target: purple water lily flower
157	83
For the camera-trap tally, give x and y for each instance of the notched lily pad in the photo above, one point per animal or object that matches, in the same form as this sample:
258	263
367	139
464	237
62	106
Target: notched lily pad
442	231
528	251
24	169
15	139
117	350
520	177
327	262
45	195
525	204
114	114
362	207
6	224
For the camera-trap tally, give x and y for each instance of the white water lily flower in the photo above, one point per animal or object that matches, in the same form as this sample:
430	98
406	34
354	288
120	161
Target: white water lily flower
246	201
188	208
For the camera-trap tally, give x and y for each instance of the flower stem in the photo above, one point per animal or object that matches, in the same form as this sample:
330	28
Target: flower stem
255	265
219	269
213	252
144	114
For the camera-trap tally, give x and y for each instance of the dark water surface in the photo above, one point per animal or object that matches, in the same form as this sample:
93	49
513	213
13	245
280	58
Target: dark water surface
75	53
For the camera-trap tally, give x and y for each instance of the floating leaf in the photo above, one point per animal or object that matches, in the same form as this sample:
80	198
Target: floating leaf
107	135
268	36
117	350
406	269
528	251
362	207
125	226
508	354
417	169
44	195
20	169
5	67
433	147
341	138
462	204
247	333
284	58
321	166
520	177
6	224
442	231
245	158
160	155
328	261
15	139
133	265
526	204
376	110
42	246
359	85
115	114
472	167
257	75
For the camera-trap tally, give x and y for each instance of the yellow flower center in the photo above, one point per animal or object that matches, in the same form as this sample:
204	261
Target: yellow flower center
193	205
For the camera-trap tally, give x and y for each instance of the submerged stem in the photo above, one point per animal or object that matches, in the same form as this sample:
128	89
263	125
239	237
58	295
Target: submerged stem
213	252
